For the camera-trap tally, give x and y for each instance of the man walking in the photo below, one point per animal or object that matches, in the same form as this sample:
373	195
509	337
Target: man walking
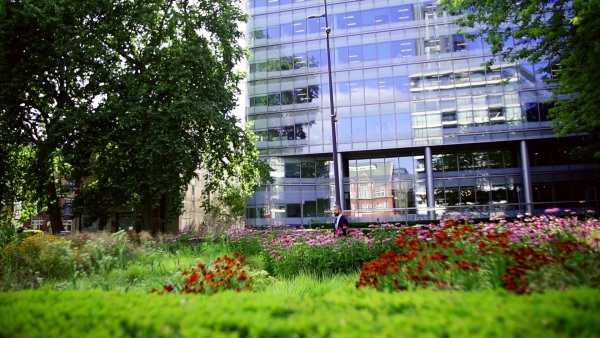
341	225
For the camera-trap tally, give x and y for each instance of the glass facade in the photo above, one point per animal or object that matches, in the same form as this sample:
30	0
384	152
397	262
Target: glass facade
409	90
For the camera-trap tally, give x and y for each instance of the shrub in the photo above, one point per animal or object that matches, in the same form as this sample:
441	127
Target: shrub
36	258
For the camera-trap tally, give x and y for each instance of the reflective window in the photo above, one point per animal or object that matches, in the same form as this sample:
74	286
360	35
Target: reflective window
401	13
292	170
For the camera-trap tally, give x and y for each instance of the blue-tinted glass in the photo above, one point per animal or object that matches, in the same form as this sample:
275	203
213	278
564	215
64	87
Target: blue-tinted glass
314	26
340	21
300	61
273	32
355	54
342	94
324	57
285	2
300	95
367	17
372	91
358	129
403	48
259	3
369	52
314	58
403	125
459	43
531	111
381	16
527	75
352	19
373	128
401	13
344	128
299	27
542	72
315	132
357	91
383	51
313	92
402	85
341	55
259	34
386	89
287	30
473	45
388	126
273	3
325	90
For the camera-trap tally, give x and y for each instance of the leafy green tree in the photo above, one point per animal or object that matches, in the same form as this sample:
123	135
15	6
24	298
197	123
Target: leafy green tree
248	173
44	77
560	34
131	96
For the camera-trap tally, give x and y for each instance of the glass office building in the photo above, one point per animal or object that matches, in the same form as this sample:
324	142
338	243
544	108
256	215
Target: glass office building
424	131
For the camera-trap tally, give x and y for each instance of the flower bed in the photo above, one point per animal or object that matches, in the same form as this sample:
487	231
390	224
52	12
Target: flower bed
531	253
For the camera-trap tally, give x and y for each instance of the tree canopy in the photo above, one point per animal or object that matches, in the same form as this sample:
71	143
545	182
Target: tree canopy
559	35
126	98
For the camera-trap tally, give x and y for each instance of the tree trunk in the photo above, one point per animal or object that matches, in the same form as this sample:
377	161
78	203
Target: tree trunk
54	210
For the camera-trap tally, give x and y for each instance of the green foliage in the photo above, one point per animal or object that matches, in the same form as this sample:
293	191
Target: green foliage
250	171
30	262
126	99
561	37
9	234
343	256
341	313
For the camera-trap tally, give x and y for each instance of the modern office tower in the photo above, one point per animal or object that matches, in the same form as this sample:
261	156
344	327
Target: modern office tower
423	130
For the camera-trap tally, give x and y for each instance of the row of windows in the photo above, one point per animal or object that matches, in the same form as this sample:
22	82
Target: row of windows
317	169
441	77
368	52
400	126
498	191
477	160
314	208
369	91
367	87
484	100
378	171
297	24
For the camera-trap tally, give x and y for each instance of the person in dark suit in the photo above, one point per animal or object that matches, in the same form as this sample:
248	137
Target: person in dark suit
340	224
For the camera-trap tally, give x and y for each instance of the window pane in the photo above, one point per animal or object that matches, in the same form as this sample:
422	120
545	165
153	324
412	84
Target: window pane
292	170
307	170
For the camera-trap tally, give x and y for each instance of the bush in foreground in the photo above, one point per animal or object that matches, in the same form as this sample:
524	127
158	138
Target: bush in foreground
344	312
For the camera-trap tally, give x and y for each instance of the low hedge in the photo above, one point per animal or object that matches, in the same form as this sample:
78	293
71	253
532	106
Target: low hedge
344	313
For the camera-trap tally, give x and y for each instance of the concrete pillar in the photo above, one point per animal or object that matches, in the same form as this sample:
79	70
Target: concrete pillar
525	169
429	184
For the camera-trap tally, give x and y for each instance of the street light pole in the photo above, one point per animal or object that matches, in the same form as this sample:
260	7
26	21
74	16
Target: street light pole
332	114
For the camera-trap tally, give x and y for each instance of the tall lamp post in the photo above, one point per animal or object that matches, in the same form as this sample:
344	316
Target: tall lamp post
333	116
